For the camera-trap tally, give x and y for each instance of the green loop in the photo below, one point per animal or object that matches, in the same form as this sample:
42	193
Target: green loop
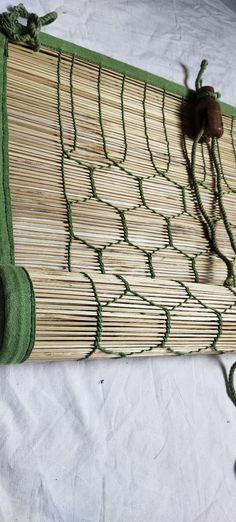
17	312
17	32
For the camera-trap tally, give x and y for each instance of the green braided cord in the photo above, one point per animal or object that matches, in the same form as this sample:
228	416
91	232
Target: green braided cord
230	383
219	176
231	189
123	119
218	315
198	82
204	164
230	279
162	172
29	34
232	137
215	155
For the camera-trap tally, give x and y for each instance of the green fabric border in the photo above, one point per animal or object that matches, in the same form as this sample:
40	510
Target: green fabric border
6	230
17	311
133	72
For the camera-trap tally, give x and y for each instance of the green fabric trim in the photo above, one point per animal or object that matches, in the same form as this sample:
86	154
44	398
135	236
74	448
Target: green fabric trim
6	231
52	42
17	314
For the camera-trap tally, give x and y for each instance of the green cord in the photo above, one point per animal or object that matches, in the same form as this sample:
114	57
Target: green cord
230	384
215	155
211	227
198	82
29	34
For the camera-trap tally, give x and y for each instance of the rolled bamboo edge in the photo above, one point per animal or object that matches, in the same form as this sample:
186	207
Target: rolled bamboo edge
100	316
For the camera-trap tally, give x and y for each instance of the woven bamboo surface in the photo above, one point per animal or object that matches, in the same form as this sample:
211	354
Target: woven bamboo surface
136	316
99	182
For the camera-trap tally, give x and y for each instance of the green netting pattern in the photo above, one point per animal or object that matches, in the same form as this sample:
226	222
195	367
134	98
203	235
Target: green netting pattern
102	306
195	185
67	154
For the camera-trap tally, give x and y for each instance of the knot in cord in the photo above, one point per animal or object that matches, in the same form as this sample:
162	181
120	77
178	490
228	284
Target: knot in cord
29	33
198	83
210	94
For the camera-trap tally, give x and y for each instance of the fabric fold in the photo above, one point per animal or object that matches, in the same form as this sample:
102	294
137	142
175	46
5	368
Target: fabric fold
17	312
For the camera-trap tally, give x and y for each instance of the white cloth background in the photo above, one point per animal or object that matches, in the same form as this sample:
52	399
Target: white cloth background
149	440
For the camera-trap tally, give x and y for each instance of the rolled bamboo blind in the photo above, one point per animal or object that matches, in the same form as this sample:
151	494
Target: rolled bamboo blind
105	220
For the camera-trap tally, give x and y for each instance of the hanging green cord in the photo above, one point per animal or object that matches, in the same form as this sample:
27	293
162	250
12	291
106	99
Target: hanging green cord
198	82
230	280
209	223
230	383
17	32
223	213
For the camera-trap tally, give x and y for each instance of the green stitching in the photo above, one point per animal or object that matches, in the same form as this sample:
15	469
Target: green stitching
162	172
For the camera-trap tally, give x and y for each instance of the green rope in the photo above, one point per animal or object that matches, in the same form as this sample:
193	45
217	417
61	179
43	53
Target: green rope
215	156
230	383
158	171
232	137
210	224
198	82
219	176
211	227
28	34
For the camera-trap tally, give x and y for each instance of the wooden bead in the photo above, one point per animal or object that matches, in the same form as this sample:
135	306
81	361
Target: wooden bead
208	114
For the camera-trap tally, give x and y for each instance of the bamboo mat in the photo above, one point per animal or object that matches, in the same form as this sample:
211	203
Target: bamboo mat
99	184
94	316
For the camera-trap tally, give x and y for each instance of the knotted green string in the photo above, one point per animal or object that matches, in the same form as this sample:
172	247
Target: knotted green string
209	223
29	33
198	83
